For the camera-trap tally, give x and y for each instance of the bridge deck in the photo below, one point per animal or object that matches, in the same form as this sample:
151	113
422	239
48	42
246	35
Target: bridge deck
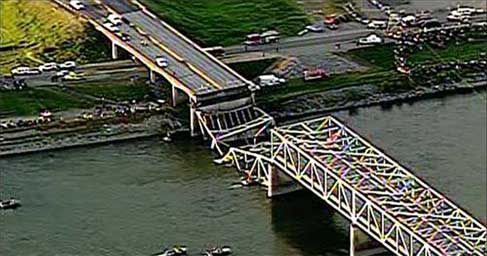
189	66
372	190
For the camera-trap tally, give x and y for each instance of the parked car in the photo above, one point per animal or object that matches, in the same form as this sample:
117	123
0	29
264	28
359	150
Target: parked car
377	24
25	71
77	4
316	28
67	65
72	76
330	19
456	16
370	39
48	66
162	62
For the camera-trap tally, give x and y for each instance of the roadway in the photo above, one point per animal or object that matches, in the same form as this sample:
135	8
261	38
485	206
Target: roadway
329	37
179	44
189	66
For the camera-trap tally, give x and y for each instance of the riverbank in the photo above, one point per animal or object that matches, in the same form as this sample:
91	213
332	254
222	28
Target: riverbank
352	98
83	127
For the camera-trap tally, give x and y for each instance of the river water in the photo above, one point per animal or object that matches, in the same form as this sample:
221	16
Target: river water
131	198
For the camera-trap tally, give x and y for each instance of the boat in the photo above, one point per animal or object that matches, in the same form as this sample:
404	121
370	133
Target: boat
218	251
9	204
167	138
177	250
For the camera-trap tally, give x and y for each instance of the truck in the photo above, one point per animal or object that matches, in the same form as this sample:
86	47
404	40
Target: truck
314	74
268	37
270	80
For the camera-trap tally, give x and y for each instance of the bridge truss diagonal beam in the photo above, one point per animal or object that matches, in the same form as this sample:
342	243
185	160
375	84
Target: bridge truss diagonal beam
369	188
242	129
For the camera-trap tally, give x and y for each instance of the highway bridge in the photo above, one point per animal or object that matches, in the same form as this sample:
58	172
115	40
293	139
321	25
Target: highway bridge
215	91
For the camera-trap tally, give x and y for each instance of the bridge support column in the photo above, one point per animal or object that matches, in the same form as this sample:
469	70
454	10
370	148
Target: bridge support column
174	95
352	239
114	51
193	119
279	184
152	76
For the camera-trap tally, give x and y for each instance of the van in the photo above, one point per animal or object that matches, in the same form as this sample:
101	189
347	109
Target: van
270	80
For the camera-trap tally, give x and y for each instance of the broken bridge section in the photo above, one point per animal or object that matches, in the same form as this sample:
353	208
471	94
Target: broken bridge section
366	186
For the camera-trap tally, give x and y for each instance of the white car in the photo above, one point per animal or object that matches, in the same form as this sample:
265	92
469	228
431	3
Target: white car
162	62
465	10
111	27
77	4
371	39
377	24
25	71
48	66
62	73
67	65
115	19
315	28
456	16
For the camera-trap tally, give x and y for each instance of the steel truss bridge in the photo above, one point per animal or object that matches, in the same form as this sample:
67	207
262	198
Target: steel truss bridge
367	187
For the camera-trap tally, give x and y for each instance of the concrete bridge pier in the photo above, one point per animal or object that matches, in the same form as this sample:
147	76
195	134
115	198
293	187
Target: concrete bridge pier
279	184
174	95
193	119
152	76
114	50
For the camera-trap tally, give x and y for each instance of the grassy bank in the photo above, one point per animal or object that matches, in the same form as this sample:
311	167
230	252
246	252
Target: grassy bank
298	87
31	101
36	31
118	90
459	52
382	56
226	22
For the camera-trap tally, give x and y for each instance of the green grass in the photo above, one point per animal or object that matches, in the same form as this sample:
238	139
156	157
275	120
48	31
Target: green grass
226	22
252	69
462	51
381	57
32	32
31	101
115	90
298	87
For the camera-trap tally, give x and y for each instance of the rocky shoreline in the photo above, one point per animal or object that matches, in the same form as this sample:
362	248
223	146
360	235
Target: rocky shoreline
367	96
33	140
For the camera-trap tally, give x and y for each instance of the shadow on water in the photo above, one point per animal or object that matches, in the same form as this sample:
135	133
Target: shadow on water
307	224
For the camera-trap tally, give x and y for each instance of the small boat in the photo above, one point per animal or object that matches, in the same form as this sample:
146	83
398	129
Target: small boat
167	138
177	250
218	251
9	204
